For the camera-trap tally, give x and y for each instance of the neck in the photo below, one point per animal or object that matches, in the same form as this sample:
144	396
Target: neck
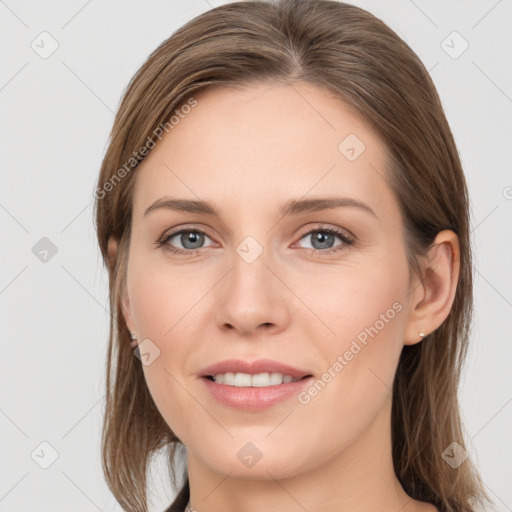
358	479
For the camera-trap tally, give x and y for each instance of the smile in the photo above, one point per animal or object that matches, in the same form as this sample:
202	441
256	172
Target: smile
253	385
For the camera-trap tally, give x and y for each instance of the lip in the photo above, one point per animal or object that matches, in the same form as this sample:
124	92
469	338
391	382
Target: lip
254	398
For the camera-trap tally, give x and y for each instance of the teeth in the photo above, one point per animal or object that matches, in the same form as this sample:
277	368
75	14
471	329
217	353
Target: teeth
242	380
229	379
276	378
259	380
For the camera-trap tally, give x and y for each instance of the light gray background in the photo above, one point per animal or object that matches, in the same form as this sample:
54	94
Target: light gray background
56	117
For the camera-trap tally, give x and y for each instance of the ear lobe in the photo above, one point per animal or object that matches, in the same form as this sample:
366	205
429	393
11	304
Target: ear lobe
434	297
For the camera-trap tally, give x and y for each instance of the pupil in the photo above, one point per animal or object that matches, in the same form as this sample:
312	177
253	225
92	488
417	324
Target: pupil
192	237
323	238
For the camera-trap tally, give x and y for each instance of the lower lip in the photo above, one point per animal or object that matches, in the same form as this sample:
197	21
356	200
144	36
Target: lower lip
254	398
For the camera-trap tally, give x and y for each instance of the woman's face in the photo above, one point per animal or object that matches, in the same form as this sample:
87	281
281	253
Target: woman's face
302	264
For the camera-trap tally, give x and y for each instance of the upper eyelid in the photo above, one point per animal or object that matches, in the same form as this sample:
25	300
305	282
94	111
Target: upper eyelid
324	226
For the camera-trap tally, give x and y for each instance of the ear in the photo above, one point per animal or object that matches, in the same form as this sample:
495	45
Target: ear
112	254
432	296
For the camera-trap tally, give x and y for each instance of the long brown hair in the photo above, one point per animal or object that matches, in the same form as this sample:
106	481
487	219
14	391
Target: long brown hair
351	53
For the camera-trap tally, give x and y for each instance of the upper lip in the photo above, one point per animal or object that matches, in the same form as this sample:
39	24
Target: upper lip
253	368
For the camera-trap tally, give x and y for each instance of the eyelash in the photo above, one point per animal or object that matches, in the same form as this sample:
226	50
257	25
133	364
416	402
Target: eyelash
347	241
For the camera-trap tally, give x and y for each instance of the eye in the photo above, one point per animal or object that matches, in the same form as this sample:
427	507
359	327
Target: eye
190	239
323	237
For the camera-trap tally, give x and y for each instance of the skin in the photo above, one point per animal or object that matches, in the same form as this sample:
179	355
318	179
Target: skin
249	151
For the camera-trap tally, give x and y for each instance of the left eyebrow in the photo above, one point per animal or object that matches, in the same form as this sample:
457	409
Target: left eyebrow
295	207
292	207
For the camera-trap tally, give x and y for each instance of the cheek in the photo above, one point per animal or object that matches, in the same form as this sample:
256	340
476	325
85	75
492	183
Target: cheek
365	315
163	299
166	306
356	304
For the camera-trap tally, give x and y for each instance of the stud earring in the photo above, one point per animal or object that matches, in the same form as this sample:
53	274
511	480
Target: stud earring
422	335
133	338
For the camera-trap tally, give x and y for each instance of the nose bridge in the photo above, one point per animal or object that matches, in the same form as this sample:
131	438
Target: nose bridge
252	298
251	268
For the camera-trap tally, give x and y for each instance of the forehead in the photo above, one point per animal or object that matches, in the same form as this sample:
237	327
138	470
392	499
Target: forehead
263	143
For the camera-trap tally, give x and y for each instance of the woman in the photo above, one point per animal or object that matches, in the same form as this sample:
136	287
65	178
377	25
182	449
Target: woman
317	377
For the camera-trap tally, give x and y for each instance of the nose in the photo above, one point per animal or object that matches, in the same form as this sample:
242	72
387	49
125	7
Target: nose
252	299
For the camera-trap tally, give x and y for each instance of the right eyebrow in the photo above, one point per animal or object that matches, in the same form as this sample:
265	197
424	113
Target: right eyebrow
184	205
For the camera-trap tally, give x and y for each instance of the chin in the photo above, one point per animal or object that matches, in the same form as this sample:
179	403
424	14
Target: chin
255	460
